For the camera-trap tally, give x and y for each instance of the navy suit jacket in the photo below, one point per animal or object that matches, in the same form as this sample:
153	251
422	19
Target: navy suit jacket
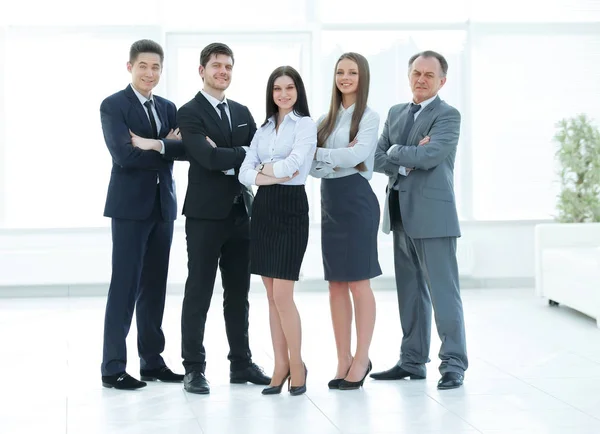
132	188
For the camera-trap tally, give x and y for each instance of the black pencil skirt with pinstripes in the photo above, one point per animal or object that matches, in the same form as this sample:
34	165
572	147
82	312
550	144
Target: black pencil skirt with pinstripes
279	231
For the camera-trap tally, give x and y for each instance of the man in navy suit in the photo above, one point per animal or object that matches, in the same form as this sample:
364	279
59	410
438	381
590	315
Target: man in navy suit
141	135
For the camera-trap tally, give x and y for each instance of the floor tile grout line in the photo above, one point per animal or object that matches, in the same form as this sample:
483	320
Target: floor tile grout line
198	423
543	391
584	357
536	379
455	414
323	413
311	401
519	379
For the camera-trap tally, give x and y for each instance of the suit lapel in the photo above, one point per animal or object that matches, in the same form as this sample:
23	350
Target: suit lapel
423	118
140	113
162	116
212	113
235	119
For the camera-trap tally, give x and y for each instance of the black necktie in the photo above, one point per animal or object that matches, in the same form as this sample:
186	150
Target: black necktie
148	105
410	120
224	117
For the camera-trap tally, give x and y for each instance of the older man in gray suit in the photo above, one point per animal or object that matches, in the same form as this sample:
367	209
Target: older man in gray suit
417	151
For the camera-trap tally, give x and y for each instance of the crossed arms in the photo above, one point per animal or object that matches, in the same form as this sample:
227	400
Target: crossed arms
443	140
131	151
199	149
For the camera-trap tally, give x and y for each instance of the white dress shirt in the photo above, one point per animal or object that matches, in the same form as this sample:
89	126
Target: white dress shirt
290	149
402	170
215	102
336	159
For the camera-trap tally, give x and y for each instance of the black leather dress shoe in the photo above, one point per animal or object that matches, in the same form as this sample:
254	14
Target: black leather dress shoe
163	374
450	380
122	381
196	382
396	373
251	374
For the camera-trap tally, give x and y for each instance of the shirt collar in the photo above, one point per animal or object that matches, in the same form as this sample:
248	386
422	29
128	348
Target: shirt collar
292	115
141	97
348	110
212	100
426	102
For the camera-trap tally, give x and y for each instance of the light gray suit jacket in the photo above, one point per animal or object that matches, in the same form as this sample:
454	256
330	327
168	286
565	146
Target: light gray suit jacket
427	204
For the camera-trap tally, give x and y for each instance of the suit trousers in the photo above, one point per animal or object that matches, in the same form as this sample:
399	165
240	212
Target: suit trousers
427	276
140	262
212	244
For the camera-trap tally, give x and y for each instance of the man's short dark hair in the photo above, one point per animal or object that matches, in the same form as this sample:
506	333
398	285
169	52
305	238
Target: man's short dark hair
429	53
145	46
215	48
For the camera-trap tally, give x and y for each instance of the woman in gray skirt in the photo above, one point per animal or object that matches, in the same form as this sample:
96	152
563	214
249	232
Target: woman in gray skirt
278	161
346	140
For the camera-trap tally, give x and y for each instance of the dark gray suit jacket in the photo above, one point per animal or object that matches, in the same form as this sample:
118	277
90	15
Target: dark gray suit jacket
427	203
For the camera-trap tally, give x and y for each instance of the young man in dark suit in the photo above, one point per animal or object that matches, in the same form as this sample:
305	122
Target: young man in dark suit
141	134
216	133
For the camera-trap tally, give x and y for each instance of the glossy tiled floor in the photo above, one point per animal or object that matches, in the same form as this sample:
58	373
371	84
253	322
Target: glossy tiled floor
534	370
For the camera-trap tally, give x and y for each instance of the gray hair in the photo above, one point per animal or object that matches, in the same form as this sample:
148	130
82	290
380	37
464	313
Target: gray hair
429	53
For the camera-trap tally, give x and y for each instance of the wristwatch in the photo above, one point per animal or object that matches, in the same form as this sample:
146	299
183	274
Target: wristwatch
261	167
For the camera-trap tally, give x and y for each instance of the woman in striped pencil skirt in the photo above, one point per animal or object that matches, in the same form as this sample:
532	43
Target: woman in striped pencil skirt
278	161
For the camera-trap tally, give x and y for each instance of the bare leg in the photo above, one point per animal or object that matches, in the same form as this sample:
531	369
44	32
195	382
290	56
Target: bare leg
283	296
341	318
280	348
364	306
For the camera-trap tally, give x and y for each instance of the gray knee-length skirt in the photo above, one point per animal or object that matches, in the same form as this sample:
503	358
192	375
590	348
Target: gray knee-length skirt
349	225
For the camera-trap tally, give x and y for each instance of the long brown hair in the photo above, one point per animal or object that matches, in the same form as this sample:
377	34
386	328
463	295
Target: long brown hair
301	105
362	95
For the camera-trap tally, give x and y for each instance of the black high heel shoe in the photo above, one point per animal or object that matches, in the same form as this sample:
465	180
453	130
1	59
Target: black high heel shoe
335	383
299	390
351	385
275	390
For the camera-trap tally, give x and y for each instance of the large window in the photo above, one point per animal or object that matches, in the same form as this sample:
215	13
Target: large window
516	68
523	82
55	165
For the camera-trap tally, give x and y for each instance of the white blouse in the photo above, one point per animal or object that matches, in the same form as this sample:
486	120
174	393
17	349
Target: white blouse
291	149
337	155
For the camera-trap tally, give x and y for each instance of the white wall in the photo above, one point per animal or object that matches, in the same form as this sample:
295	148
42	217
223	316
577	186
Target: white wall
491	254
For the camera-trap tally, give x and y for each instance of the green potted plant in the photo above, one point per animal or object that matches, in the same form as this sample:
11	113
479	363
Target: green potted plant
567	255
579	158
